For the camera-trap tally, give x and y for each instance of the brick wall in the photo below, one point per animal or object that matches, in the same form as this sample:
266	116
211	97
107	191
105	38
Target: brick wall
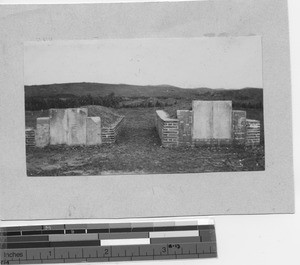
252	132
30	137
167	128
239	127
109	134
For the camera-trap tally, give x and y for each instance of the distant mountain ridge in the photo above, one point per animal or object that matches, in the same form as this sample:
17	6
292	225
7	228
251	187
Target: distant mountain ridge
100	89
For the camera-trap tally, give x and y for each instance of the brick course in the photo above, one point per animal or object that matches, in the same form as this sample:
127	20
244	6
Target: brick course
109	134
167	128
30	137
253	132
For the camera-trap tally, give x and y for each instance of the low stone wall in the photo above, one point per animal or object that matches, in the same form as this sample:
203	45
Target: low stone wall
110	134
167	129
30	137
252	132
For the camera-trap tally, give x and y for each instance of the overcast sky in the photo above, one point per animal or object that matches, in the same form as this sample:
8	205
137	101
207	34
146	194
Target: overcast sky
214	62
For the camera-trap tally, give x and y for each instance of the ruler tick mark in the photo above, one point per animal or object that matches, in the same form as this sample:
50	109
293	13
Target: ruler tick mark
69	254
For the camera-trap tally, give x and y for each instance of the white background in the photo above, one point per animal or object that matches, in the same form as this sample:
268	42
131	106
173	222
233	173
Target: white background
256	239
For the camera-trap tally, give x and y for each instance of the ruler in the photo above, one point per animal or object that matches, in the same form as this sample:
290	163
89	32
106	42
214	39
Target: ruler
104	242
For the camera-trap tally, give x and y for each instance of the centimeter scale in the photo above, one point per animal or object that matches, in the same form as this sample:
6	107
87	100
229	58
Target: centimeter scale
98	242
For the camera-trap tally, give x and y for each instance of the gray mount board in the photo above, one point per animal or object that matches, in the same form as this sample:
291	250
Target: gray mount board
269	191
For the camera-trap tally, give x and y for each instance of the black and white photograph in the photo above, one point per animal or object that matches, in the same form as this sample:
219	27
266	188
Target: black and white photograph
144	106
157	109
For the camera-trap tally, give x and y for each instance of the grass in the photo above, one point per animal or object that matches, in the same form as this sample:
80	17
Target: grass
138	150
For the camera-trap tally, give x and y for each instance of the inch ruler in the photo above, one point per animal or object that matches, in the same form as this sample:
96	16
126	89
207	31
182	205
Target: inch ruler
99	242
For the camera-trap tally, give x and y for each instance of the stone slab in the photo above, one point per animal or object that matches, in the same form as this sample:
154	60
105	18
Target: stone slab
185	126
77	126
212	120
58	126
68	126
202	119
222	119
93	131
42	136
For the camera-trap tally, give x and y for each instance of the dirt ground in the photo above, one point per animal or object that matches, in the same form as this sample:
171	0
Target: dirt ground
138	151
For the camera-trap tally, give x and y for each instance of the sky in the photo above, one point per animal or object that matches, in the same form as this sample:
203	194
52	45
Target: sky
214	62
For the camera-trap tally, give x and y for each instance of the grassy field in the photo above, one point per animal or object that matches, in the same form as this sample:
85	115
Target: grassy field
138	151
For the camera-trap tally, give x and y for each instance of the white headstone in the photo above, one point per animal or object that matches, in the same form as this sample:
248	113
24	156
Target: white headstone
212	120
68	126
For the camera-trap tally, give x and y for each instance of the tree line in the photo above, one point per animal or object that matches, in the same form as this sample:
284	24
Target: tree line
112	101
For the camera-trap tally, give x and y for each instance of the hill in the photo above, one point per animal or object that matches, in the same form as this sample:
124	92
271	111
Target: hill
133	91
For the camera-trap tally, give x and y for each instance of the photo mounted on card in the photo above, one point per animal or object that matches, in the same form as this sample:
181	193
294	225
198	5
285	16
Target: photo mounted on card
144	106
145	109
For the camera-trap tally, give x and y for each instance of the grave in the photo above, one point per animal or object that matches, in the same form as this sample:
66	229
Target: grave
208	123
76	126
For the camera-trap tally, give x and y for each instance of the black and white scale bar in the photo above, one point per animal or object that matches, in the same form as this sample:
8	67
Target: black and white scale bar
107	242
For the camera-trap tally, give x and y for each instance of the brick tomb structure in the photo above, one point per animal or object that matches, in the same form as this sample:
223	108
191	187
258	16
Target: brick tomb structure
208	123
72	126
